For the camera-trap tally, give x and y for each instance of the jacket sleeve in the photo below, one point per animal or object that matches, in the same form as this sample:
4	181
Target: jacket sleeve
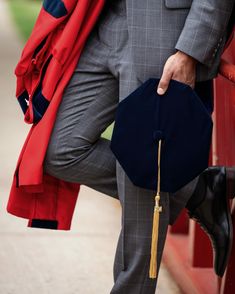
204	31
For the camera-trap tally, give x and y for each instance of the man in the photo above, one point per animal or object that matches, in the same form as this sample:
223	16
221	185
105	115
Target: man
132	41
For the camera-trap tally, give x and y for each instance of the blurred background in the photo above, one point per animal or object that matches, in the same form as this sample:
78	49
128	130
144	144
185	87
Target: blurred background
46	261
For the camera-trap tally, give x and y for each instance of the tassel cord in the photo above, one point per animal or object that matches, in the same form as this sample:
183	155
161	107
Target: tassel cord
156	217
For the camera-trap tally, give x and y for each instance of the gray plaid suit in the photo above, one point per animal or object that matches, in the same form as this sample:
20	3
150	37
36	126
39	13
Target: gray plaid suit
158	27
129	43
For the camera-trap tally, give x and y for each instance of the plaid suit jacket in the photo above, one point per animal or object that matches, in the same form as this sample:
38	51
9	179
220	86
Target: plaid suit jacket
157	28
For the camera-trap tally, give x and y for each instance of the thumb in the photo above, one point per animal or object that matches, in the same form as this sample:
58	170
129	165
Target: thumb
164	82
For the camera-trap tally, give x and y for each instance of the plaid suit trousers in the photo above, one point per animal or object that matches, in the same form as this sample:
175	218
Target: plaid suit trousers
77	153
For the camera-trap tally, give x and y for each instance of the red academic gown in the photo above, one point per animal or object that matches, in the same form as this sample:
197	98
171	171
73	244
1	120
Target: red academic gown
47	63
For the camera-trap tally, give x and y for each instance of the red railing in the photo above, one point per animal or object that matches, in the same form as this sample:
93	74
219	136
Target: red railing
188	253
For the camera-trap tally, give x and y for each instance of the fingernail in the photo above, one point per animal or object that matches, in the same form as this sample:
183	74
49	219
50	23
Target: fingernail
160	91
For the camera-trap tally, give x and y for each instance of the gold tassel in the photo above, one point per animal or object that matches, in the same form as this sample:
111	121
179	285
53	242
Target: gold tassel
156	216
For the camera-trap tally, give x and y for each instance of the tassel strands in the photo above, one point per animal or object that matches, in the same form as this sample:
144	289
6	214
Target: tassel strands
156	216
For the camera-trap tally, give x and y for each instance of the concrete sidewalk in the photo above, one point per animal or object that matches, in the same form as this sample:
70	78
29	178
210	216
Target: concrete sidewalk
44	261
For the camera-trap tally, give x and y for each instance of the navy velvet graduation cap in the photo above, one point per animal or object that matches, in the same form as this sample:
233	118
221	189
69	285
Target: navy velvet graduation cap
162	142
179	118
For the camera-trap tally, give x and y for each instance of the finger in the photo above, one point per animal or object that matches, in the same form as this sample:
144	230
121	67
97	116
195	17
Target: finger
189	83
192	82
164	81
188	79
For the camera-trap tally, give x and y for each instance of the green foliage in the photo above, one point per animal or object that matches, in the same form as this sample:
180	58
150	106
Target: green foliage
108	132
24	13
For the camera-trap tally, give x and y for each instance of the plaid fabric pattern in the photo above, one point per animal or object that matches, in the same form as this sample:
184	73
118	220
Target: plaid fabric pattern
158	27
129	44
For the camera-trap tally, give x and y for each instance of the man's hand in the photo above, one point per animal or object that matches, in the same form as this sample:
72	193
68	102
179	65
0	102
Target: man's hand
180	67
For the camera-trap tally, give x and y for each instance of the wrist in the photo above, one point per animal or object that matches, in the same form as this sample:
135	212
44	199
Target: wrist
187	57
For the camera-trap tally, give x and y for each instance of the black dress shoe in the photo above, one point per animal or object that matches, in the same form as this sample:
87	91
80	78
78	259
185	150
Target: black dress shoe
213	213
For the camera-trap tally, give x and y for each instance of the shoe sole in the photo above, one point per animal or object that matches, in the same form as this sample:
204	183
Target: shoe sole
228	197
